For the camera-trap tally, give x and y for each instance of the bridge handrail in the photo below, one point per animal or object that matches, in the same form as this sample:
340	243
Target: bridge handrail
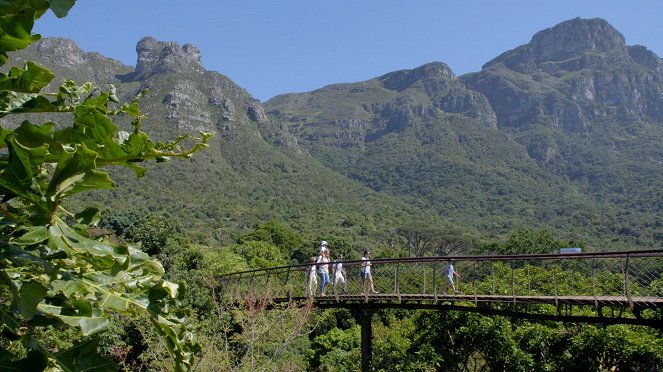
612	283
511	257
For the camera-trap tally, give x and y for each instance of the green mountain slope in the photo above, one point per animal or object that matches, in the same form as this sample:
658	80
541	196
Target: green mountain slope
559	134
589	112
562	133
423	136
252	172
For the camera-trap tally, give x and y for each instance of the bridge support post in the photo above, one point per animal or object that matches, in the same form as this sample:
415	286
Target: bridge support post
366	340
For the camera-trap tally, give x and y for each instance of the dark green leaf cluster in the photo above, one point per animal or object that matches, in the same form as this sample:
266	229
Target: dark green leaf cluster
53	274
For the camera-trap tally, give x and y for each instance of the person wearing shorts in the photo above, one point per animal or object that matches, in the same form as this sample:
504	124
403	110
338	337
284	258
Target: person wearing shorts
311	278
339	275
365	273
448	274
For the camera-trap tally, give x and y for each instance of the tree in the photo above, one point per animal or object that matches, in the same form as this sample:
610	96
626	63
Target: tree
52	273
422	240
452	243
259	254
525	241
418	237
290	244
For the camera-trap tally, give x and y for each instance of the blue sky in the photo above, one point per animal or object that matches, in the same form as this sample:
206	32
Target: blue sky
272	47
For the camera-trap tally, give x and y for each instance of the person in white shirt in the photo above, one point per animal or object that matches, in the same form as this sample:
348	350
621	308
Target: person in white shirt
311	278
323	271
448	274
365	273
339	275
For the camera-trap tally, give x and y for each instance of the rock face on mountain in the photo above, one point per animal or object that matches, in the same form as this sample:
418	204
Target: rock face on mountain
572	75
158	57
68	60
352	115
446	92
565	41
65	52
192	98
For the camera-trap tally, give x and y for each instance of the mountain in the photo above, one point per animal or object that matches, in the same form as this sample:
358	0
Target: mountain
253	171
588	108
573	75
561	133
424	136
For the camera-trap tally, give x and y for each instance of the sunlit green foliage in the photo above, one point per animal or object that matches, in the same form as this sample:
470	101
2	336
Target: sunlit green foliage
53	272
336	350
259	254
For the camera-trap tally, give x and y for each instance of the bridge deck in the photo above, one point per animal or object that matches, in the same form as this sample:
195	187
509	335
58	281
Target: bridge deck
617	301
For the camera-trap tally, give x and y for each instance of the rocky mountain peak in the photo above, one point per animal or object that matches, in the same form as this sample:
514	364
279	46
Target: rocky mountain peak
576	35
401	80
563	41
572	75
159	57
63	51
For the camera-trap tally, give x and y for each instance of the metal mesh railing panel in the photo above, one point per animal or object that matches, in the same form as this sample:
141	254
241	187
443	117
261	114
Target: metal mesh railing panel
609	279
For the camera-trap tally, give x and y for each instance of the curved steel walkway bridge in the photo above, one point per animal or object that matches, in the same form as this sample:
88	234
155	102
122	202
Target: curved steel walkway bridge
608	288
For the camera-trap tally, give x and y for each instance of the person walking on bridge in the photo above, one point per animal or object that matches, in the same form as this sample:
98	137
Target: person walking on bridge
339	275
323	270
311	278
365	273
448	274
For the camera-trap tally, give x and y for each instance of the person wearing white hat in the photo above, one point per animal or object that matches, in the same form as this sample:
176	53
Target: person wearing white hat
323	270
323	246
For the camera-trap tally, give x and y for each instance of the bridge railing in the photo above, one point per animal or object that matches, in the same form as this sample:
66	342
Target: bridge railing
633	278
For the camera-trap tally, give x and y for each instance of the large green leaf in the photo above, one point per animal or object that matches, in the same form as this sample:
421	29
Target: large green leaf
18	258
177	337
61	7
89	324
23	175
70	286
32	79
32	135
13	103
31	235
89	216
16	22
16	30
16	6
84	357
75	172
30	295
101	255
